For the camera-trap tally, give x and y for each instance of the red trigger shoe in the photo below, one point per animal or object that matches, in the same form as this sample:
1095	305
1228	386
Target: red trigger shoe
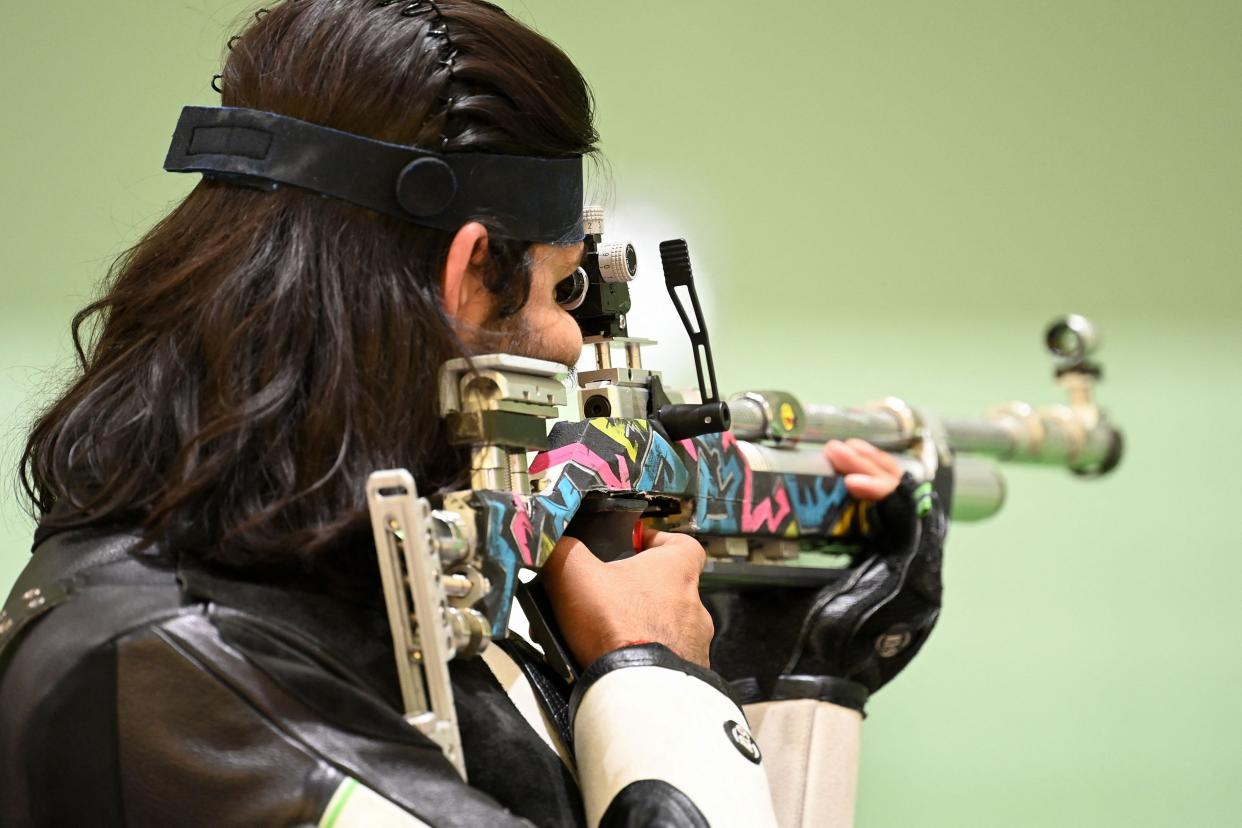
638	536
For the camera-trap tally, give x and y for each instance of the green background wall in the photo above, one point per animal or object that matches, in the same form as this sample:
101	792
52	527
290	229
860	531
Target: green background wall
881	198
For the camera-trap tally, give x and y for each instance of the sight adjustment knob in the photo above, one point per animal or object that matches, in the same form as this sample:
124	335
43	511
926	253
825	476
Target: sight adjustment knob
593	221
618	262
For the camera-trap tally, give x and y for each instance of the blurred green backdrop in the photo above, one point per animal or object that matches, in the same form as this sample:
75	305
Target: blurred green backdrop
881	198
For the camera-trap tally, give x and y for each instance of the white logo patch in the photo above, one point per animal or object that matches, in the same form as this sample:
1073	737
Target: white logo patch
740	736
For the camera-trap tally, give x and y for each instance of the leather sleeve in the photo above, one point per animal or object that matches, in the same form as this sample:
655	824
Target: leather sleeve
661	741
218	722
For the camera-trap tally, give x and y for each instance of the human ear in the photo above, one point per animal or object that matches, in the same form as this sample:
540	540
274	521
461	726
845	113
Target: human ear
462	291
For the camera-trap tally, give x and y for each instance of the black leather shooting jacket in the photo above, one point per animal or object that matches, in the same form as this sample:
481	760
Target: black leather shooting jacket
147	688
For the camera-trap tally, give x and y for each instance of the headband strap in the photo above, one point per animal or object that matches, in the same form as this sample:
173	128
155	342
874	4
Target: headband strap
528	198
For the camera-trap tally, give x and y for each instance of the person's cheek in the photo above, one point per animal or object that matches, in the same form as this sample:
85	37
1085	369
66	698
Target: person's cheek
565	336
558	330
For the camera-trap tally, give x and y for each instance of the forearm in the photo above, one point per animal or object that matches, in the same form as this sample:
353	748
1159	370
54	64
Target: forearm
657	740
810	752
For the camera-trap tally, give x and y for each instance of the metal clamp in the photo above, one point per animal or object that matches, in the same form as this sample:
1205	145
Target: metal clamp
423	630
1024	425
927	437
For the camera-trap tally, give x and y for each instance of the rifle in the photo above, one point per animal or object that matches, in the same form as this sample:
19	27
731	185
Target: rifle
746	475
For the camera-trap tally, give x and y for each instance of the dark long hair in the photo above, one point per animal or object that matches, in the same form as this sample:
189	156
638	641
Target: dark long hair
258	354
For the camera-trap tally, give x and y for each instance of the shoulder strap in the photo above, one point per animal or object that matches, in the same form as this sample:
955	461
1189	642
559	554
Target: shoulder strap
57	569
551	691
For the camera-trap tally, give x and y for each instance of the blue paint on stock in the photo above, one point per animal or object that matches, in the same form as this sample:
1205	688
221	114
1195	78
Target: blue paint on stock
813	511
720	476
662	470
559	513
501	550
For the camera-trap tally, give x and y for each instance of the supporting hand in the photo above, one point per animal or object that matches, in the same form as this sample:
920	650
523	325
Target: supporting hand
870	474
846	640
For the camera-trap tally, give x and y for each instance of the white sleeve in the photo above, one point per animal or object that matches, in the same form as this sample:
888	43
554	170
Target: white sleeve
811	753
657	736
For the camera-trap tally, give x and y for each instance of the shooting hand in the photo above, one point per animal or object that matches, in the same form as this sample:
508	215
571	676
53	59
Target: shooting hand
870	474
844	641
652	597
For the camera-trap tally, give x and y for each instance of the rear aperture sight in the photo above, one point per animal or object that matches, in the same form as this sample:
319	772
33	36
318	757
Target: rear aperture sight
598	294
572	290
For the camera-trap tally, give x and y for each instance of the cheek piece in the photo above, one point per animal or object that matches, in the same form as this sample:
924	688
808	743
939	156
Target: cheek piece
523	197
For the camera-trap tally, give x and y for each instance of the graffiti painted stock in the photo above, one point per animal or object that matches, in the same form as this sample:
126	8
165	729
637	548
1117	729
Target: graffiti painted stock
721	494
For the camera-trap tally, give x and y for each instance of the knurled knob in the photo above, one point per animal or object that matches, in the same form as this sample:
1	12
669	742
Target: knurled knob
618	262
593	221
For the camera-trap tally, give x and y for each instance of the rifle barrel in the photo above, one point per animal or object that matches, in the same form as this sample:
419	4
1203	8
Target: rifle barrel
978	485
1074	436
1055	435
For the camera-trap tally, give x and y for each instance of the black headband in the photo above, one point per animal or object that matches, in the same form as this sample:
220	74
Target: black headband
527	198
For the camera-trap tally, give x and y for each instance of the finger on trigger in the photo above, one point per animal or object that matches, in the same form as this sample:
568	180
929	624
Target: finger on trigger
673	541
652	537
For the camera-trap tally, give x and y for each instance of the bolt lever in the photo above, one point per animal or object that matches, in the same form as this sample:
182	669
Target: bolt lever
712	415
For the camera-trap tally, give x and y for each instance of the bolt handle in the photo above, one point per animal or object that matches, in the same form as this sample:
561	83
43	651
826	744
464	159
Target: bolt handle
675	258
683	421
